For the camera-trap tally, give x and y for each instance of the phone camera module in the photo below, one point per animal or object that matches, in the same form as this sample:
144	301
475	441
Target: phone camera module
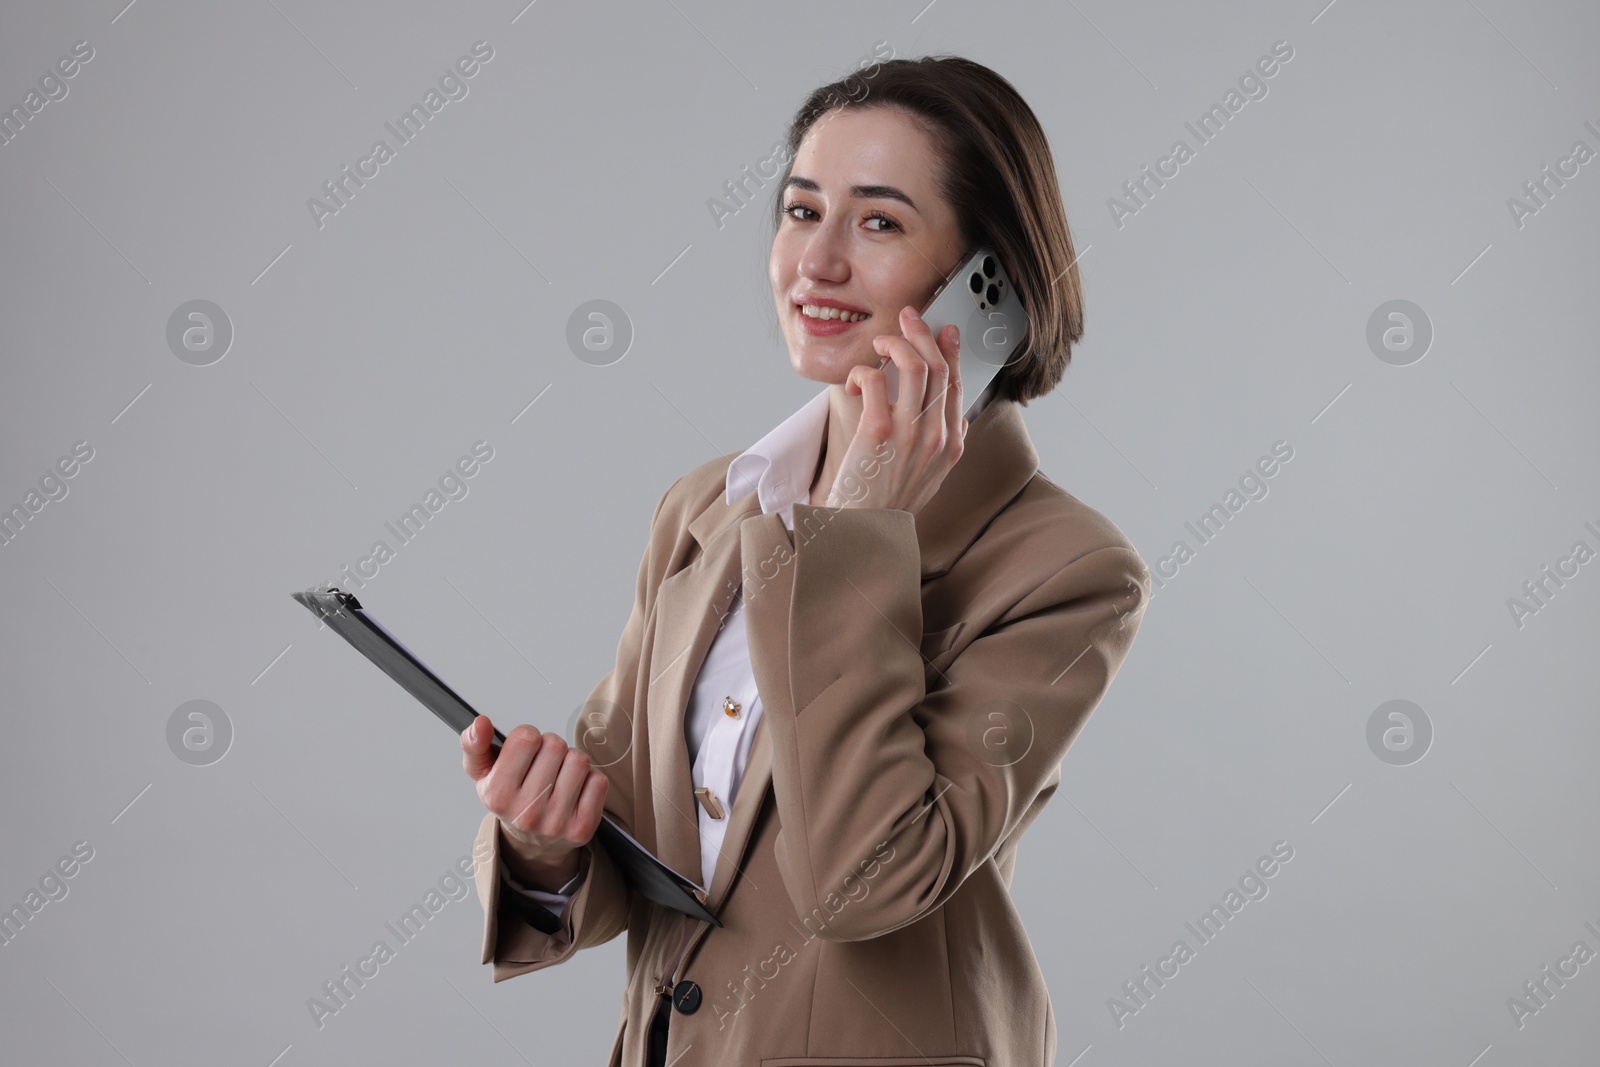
988	267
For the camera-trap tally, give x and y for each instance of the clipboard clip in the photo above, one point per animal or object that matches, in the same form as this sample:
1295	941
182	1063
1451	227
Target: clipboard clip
318	598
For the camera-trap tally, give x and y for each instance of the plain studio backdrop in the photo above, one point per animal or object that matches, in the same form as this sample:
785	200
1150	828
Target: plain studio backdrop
250	392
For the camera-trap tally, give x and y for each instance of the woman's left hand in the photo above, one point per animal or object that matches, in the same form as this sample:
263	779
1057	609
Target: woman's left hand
907	450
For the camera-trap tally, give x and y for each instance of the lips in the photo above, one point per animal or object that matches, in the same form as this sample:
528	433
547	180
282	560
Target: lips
825	327
826	308
822	316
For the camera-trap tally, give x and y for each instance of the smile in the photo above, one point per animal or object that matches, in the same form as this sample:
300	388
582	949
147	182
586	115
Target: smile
814	311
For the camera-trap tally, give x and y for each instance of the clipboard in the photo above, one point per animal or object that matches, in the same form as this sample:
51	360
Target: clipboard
649	877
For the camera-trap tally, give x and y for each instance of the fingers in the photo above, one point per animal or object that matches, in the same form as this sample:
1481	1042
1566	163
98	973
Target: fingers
950	349
499	788
571	775
537	806
874	389
941	384
927	370
536	783
955	397
591	805
941	354
911	369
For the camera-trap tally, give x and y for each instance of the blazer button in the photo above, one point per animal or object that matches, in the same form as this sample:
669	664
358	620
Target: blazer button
686	997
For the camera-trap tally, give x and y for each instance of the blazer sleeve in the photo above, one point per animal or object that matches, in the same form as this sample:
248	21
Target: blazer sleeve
515	937
925	784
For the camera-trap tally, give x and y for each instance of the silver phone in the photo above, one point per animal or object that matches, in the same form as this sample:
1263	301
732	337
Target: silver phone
979	298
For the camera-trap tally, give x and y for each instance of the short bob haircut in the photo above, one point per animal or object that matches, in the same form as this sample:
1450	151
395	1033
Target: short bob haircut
1001	181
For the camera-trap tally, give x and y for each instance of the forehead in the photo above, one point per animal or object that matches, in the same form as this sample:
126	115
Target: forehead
872	146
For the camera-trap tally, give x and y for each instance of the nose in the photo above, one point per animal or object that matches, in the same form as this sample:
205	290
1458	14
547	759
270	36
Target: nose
825	257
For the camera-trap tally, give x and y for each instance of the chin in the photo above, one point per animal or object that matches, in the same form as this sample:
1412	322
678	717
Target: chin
825	366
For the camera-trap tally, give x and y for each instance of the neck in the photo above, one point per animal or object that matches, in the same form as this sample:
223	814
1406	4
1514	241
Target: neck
844	415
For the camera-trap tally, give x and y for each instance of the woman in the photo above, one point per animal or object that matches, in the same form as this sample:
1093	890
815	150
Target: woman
920	620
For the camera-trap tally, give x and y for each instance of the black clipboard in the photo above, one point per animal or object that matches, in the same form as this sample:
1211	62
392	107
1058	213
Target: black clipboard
651	878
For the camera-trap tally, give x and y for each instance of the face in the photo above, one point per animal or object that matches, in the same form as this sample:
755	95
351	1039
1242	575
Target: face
864	231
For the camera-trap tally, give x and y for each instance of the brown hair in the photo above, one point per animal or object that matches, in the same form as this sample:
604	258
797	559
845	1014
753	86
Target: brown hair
1000	179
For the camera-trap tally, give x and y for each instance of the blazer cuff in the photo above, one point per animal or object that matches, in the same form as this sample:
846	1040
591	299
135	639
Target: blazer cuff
513	940
550	899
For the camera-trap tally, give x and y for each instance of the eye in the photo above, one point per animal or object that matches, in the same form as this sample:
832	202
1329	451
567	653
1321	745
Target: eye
801	213
878	216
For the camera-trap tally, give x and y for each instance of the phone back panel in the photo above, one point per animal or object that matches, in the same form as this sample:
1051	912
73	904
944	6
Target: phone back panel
979	298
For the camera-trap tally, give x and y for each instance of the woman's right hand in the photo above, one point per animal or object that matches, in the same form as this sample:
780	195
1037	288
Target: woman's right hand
547	796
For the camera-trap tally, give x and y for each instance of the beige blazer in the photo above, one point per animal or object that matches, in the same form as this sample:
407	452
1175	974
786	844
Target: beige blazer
922	677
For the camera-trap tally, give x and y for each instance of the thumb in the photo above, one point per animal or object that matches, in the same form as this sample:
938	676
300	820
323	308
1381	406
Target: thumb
476	755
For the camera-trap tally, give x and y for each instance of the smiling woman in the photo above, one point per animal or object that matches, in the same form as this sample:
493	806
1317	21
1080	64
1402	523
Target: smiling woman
858	650
882	198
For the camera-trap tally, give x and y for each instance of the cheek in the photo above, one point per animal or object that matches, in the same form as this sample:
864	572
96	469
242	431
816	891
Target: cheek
780	268
783	272
891	279
911	285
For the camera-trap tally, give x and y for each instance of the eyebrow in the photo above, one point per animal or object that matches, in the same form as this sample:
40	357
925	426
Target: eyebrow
863	192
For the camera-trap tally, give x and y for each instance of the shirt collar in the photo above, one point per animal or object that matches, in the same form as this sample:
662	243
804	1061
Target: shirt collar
780	466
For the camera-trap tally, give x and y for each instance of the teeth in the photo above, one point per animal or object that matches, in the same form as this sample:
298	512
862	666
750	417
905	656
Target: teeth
814	311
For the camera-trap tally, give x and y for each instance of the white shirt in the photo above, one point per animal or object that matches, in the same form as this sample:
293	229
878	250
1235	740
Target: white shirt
780	468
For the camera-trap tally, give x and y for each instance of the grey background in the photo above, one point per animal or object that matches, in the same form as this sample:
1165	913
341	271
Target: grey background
368	355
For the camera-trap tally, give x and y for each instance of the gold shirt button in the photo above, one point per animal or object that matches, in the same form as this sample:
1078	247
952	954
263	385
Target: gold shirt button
730	707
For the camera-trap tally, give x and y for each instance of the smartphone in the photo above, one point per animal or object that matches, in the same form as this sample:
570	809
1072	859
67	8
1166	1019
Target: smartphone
979	298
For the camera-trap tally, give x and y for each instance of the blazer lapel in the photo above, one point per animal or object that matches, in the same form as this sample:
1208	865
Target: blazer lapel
690	606
762	538
753	789
997	461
